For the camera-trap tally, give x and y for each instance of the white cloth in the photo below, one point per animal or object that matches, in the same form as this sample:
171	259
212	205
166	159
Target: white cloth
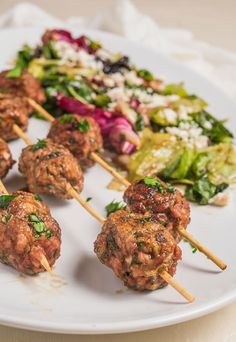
125	19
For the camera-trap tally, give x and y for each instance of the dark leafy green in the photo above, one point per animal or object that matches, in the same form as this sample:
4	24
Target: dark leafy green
139	125
24	56
216	131
203	190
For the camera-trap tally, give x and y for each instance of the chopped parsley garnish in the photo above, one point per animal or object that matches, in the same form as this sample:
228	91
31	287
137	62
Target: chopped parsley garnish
49	233
83	126
145	74
153	183
114	206
147	219
38	197
6	218
194	248
170	188
140	244
53	155
88	199
40	227
5	200
66	118
40	144
139	123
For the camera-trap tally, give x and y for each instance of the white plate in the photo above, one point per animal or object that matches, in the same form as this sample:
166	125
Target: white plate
88	297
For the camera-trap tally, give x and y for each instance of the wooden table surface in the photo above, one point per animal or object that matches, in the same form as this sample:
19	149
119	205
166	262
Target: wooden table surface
212	21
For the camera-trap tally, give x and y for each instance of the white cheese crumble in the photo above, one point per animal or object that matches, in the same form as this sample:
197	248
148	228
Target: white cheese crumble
191	134
70	55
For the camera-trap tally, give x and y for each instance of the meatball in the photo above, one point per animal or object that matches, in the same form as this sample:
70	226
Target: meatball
27	232
151	195
12	111
137	248
25	85
81	135
6	160
49	167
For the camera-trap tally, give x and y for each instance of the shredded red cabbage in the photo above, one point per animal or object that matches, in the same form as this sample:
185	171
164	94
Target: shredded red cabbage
116	130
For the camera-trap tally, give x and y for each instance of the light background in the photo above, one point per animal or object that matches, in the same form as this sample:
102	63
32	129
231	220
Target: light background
213	21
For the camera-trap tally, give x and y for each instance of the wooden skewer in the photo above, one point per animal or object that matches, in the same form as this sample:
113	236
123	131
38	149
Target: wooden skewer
43	260
202	249
84	204
93	155
171	281
124	181
3	189
167	277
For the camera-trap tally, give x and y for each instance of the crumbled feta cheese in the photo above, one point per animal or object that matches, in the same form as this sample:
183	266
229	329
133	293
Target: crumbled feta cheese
117	94
191	134
132	78
183	112
70	55
170	115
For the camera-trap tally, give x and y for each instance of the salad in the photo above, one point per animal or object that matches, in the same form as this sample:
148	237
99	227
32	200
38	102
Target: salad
152	128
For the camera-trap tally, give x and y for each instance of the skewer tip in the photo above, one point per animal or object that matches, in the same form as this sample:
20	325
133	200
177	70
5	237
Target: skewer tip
44	262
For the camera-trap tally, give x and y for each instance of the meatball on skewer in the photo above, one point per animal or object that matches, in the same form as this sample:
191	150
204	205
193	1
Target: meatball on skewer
13	111
168	205
81	135
6	160
51	168
139	250
84	141
30	238
25	85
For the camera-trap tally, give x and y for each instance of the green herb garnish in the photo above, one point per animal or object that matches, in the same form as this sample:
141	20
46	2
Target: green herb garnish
38	197
114	206
147	219
40	144
5	200
83	125
66	118
34	218
88	199
170	188
153	183
49	233
40	227
6	218
140	244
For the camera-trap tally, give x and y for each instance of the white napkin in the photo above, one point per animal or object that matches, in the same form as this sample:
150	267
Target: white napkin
125	19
